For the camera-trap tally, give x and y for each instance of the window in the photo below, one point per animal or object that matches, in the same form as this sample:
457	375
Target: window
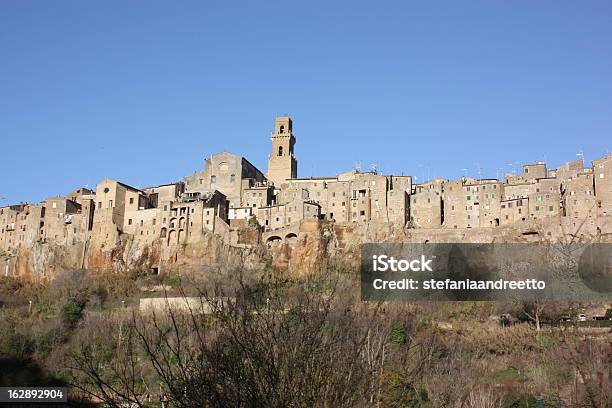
280	150
110	203
281	130
141	223
130	221
131	200
213	179
154	221
232	178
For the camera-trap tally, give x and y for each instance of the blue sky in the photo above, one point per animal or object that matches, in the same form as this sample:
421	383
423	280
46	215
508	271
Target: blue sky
141	91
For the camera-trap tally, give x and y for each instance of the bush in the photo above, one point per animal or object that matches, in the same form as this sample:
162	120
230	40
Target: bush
398	333
253	223
71	312
18	345
172	280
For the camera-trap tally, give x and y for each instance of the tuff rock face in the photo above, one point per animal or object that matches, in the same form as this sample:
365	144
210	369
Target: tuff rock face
315	246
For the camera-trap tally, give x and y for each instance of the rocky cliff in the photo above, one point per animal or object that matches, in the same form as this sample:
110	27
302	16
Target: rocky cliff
313	246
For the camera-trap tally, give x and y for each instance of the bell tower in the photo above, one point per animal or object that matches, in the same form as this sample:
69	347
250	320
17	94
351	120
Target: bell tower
282	164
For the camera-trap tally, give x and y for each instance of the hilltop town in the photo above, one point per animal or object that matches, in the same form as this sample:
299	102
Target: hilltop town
243	206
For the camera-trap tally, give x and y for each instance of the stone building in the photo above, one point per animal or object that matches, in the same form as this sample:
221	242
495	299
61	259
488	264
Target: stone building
489	192
282	164
283	215
11	229
354	196
426	204
190	217
62	223
513	210
602	174
545	198
227	173
455	204
579	195
534	171
257	195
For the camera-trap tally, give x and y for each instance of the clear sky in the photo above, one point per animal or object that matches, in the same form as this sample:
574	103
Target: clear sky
142	91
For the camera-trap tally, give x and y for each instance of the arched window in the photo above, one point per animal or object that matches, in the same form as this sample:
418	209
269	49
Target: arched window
163	233
280	150
282	129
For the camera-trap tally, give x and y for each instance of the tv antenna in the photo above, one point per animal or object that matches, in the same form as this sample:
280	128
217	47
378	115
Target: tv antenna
422	172
513	167
479	170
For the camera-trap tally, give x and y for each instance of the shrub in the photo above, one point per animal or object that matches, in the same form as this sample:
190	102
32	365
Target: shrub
71	312
18	345
398	333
